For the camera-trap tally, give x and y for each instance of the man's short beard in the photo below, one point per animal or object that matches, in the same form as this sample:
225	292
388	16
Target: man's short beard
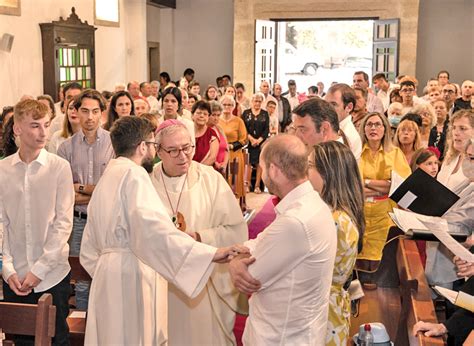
148	164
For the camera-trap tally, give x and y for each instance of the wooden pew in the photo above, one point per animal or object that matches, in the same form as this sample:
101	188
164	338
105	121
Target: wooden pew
417	304
77	326
37	320
402	297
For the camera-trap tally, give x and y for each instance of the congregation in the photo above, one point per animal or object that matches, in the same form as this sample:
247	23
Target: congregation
148	186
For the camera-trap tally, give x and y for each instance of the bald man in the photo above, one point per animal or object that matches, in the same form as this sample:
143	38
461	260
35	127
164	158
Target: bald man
464	102
290	269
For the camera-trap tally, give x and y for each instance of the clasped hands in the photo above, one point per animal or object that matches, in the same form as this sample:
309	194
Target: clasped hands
25	286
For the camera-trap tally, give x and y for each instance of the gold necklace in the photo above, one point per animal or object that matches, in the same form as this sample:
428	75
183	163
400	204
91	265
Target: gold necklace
177	218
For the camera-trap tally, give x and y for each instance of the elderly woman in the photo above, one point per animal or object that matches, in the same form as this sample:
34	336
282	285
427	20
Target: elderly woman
200	203
207	143
428	120
223	153
438	132
378	159
455	174
236	133
407	138
333	172
257	122
394	113
121	105
141	106
232	91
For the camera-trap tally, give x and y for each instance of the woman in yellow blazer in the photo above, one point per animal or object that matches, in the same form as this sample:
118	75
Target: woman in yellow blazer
378	159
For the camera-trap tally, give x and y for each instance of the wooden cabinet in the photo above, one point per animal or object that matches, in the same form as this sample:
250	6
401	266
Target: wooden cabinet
68	53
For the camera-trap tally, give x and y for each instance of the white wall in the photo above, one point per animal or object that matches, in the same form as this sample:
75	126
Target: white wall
120	52
198	34
445	37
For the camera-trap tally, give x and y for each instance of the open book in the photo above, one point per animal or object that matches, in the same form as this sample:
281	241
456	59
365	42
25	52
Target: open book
408	222
461	299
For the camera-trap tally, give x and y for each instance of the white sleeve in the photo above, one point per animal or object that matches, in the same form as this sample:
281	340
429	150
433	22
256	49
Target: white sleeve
156	241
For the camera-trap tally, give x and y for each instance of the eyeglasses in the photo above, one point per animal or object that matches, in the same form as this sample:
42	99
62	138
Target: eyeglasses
227	104
407	90
175	152
376	125
448	91
153	143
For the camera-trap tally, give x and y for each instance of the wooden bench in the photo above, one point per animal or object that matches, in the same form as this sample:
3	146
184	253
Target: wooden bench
77	326
38	320
402	297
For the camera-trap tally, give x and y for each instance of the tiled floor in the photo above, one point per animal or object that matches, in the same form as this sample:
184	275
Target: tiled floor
255	201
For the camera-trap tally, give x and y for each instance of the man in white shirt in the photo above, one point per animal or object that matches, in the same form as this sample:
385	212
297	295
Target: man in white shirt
343	99
146	90
361	80
290	271
36	204
292	95
384	88
265	90
129	241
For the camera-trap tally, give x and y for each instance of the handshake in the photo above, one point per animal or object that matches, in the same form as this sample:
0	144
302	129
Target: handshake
239	258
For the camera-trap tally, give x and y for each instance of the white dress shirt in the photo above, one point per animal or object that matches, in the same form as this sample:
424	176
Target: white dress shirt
294	262
353	137
374	104
36	204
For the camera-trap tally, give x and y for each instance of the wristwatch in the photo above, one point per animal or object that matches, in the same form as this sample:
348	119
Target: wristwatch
81	188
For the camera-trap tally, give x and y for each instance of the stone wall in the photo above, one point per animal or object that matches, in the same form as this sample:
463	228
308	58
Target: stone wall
247	11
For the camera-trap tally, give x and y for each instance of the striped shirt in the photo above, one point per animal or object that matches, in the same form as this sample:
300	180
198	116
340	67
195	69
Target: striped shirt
88	161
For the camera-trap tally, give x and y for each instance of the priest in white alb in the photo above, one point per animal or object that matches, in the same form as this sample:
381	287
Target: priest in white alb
201	203
129	239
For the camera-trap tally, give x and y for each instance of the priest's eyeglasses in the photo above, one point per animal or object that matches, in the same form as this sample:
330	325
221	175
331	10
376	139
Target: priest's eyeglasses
176	151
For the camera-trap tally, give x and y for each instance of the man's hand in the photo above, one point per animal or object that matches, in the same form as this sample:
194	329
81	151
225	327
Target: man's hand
15	285
465	269
225	254
429	329
241	278
30	282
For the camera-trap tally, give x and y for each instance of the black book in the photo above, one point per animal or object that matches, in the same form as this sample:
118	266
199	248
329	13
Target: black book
423	194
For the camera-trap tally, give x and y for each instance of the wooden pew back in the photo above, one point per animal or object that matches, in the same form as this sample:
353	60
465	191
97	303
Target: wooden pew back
417	304
37	320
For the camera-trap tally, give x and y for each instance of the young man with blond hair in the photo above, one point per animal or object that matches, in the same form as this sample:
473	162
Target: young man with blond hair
36	207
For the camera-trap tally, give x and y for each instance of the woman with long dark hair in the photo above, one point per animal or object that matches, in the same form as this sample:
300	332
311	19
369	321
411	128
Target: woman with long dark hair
120	106
334	174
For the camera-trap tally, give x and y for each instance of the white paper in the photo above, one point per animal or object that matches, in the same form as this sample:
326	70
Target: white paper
78	314
397	180
407	200
447	293
408	220
440	230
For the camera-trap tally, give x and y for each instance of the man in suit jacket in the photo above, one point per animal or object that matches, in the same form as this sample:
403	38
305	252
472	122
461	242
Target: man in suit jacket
283	107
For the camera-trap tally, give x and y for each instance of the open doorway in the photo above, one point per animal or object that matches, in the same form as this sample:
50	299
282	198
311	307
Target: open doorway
312	51
323	51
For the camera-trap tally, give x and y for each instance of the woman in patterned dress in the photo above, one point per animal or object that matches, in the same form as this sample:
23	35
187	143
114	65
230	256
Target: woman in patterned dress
334	174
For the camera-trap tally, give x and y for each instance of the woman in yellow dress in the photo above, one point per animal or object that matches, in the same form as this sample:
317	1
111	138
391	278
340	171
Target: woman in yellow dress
334	174
377	161
236	133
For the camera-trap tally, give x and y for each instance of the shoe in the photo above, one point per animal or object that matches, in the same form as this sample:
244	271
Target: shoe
257	190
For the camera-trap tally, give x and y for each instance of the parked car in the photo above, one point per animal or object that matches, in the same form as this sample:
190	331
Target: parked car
302	60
